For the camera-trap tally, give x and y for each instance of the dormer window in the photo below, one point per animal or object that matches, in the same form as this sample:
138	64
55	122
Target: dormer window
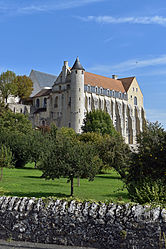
113	93
88	88
101	90
96	89
108	92
120	95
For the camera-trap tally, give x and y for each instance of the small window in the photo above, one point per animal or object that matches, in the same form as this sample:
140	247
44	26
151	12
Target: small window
76	71
96	89
108	92
79	98
14	110
120	95
88	88
135	100
59	88
113	93
136	89
89	101
21	110
69	125
82	72
68	87
37	103
56	102
45	103
101	90
133	89
79	110
79	89
79	121
131	96
43	123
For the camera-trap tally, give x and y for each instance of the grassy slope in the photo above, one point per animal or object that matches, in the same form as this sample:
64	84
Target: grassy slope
27	182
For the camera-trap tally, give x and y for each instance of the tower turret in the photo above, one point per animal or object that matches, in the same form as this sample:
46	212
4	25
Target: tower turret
77	96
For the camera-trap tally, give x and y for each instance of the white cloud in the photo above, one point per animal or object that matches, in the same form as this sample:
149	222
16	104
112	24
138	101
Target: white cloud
160	20
129	65
36	6
154	115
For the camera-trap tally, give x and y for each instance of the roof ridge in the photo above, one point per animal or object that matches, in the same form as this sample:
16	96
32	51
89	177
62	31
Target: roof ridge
44	73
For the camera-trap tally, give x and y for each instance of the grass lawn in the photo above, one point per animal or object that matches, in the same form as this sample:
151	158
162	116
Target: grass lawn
27	182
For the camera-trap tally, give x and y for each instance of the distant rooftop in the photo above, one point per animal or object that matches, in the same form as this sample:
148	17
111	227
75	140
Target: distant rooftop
41	80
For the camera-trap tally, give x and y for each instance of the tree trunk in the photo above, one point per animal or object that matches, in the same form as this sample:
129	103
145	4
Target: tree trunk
71	179
78	181
1	173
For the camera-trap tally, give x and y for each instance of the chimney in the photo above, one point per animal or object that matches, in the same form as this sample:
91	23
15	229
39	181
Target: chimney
64	71
115	77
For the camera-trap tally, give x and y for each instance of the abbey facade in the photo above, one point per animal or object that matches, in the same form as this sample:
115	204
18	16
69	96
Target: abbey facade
76	92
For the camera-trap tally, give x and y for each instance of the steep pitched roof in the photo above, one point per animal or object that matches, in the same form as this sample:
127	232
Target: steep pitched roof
127	82
105	82
44	79
43	92
77	65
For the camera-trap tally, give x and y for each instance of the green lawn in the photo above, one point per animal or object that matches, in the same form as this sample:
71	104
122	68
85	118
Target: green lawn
27	182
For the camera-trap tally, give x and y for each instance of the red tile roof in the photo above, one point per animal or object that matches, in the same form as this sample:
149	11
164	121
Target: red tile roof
127	82
105	82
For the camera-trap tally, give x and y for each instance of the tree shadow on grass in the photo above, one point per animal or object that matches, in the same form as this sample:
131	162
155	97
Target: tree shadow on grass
36	177
109	177
36	194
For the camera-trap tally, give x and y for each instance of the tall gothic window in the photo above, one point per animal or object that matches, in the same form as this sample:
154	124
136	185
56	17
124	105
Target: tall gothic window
37	103
56	102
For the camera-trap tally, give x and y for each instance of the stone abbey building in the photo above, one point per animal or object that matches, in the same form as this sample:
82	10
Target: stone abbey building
76	92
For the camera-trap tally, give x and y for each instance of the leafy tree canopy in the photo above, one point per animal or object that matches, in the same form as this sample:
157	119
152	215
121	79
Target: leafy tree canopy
7	85
10	121
68	157
100	122
24	86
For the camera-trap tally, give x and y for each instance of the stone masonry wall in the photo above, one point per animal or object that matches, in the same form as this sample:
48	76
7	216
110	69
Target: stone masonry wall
82	224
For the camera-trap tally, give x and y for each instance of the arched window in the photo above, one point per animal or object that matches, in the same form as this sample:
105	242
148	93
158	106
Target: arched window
43	123
96	89
135	100
59	88
88	88
108	92
45	102
56	102
37	103
101	90
21	110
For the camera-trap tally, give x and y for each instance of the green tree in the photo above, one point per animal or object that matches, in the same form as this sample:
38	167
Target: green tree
69	158
7	86
24	86
100	122
112	150
6	158
146	177
10	121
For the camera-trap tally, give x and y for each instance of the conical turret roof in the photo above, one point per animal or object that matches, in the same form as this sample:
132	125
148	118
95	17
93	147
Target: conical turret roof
77	65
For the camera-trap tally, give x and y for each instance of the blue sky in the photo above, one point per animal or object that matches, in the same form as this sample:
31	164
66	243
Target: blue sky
122	37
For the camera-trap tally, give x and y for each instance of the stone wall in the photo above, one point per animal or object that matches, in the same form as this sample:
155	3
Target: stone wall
82	224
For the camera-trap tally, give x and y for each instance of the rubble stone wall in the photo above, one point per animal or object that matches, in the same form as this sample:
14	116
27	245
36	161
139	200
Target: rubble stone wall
82	224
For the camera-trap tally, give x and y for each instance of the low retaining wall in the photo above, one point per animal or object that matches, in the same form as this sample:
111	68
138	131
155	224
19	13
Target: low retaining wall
82	224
